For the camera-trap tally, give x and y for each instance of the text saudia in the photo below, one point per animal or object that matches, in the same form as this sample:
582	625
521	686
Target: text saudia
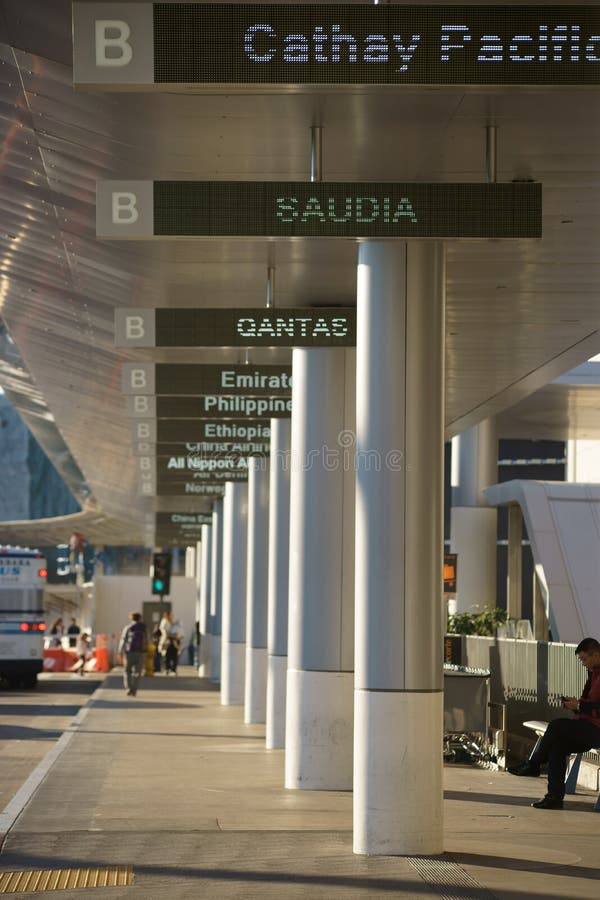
348	209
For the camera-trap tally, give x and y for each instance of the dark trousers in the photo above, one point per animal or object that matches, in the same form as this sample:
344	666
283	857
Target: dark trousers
563	737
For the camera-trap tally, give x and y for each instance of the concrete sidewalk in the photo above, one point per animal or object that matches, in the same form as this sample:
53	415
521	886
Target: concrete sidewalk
177	786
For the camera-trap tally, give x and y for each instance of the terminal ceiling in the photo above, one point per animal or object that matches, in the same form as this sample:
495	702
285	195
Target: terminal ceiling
519	314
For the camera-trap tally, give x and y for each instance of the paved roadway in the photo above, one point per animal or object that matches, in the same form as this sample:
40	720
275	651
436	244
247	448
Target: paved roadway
176	785
32	721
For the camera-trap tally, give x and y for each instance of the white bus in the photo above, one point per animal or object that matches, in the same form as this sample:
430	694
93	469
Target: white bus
22	577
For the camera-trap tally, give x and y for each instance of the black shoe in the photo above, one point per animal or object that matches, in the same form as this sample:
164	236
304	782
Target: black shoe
549	802
528	768
129	693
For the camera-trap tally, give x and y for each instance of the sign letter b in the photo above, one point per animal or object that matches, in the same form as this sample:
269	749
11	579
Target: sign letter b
124	208
122	51
134	328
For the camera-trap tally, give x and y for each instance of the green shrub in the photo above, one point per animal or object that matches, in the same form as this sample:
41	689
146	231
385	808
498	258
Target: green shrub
484	622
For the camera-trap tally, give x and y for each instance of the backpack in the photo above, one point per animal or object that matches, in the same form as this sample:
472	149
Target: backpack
135	641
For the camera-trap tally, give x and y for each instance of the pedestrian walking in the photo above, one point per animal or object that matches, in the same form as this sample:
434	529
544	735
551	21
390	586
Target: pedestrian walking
83	649
132	649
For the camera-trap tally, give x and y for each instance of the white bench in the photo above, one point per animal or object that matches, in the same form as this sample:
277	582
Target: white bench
573	770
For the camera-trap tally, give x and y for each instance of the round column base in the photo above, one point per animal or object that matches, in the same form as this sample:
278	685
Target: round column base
233	668
398	792
276	687
318	730
255	695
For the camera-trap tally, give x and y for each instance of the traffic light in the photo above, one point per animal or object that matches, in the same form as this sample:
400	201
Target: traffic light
161	573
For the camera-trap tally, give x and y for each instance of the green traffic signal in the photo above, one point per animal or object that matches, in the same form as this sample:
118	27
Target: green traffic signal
158	585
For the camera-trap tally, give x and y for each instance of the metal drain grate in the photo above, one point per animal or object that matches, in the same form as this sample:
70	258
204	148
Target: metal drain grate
449	879
65	879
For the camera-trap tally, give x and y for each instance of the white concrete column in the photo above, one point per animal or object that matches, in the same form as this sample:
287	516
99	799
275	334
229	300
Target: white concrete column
255	698
399	544
216	588
320	676
190	562
233	643
205	588
473	523
279	557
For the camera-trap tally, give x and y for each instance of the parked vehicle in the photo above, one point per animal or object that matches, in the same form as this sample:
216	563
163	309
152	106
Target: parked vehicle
22	577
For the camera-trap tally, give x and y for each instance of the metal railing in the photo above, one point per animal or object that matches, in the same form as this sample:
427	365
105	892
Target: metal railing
527	679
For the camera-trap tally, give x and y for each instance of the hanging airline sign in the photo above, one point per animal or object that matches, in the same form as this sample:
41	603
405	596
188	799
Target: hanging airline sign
213	405
217	407
213	477
203	448
182	431
161	45
183	522
146	209
175	527
191	488
175	539
184	463
199	468
149	488
198	379
285	327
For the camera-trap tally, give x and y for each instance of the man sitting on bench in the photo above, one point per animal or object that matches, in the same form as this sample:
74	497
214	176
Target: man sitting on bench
566	736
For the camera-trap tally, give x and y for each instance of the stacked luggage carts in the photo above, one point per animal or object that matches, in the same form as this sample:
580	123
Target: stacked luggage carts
466	716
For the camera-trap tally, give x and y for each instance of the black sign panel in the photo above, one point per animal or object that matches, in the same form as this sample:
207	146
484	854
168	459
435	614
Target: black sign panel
184	467
290	327
217	477
166	539
179	430
180	528
196	380
217	448
133	45
188	489
367	209
375	44
217	406
256	327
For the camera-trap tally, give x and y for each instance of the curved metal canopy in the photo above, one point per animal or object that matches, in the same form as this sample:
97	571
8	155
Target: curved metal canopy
518	313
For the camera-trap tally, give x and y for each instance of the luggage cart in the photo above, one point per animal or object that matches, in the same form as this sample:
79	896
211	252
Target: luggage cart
466	704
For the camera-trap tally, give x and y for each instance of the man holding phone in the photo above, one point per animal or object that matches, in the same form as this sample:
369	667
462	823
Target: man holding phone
566	736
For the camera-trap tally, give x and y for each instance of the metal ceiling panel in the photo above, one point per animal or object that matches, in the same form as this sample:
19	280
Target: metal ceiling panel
518	313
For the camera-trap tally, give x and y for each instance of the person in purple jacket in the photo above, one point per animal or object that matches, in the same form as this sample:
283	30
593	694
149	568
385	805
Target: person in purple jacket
132	649
566	736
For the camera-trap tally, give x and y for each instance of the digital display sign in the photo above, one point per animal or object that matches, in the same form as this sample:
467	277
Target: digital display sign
188	488
216	477
219	406
196	44
173	430
284	209
177	539
202	448
195	380
255	327
181	521
181	465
